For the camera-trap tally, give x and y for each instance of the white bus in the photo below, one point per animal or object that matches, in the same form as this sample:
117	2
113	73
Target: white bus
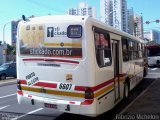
76	64
153	52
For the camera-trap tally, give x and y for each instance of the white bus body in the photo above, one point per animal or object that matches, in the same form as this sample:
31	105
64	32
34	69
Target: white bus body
76	64
153	55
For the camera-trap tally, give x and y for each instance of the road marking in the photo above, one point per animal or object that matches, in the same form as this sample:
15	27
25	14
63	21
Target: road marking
4	107
31	112
8	95
154	69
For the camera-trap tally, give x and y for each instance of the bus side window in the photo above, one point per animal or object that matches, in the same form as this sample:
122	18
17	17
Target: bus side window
103	50
140	50
125	49
143	51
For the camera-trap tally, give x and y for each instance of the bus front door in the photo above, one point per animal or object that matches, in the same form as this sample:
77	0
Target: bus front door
115	54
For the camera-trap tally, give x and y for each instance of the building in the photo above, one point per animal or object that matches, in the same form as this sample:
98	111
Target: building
14	25
3	48
114	13
138	26
152	35
130	15
83	9
72	11
124	18
1	54
135	24
106	12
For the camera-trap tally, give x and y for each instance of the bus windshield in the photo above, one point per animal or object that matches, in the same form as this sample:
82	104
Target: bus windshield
153	52
44	40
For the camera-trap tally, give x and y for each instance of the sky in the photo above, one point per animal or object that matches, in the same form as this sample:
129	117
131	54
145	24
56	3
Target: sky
14	9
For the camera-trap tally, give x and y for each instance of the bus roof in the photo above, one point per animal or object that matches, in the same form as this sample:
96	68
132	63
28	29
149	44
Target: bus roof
153	46
50	18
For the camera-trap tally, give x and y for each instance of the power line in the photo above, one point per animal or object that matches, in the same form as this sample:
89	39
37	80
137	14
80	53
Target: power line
44	6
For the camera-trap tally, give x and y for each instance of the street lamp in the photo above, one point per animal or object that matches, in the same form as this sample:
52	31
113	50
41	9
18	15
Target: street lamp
4	31
5	27
4	43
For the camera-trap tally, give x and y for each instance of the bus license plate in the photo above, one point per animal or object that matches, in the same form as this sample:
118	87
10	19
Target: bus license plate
47	105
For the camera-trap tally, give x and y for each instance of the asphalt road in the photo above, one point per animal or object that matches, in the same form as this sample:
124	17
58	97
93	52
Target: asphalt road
10	109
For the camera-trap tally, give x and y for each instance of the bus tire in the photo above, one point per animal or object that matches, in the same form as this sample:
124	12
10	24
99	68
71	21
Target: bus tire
126	89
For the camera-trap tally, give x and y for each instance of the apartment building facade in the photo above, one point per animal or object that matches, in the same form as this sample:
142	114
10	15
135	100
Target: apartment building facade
152	35
114	13
138	26
83	9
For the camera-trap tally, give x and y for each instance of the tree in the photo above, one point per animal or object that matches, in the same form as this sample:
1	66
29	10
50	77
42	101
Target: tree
11	53
11	50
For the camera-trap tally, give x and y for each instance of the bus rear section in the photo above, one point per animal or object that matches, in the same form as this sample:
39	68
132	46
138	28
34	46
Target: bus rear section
153	55
51	65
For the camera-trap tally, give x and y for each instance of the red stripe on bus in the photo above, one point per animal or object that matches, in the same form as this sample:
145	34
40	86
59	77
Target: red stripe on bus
41	84
78	88
103	84
51	60
122	75
82	88
23	82
44	84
